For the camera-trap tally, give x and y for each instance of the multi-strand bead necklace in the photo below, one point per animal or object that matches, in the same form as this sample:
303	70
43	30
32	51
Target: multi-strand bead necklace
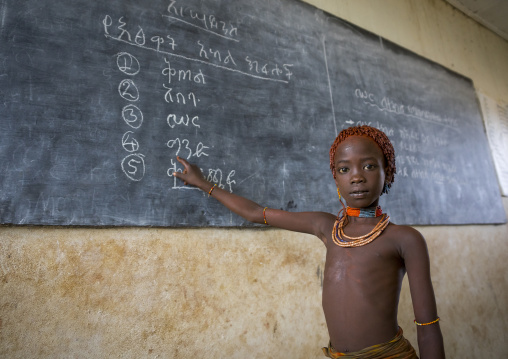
340	223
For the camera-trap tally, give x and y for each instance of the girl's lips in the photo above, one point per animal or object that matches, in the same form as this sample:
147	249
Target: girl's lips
358	194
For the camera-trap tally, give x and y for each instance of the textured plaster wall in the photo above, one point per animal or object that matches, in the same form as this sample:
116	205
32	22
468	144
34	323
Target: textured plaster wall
147	293
165	293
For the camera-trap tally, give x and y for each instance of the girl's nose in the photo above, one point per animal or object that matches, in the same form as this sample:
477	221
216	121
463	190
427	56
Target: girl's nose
357	177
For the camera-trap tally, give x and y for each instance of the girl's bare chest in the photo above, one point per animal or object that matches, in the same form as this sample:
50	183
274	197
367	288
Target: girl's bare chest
368	261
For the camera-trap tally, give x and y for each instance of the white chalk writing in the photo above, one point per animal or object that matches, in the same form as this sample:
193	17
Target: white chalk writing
127	63
129	143
128	90
386	104
132	116
133	165
180	97
205	22
182	75
183	82
214	175
174	120
183	146
166	44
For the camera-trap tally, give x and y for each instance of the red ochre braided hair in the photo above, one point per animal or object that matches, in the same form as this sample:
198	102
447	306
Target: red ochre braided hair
382	141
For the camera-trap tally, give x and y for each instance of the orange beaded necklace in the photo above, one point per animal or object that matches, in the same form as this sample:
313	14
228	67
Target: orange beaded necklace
341	222
364	212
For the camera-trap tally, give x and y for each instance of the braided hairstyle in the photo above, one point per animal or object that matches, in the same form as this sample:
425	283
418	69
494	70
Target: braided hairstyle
382	141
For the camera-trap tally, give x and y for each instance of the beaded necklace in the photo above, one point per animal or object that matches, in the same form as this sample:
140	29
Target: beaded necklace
338	228
364	212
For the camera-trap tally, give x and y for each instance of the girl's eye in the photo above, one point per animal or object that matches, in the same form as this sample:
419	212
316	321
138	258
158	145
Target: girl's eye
369	167
342	170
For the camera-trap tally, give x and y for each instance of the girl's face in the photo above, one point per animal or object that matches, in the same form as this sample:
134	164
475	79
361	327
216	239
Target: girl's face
360	171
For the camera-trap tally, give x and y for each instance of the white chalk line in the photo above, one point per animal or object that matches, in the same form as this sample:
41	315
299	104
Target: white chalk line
329	87
201	28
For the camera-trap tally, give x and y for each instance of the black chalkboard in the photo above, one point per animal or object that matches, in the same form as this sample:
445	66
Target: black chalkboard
98	97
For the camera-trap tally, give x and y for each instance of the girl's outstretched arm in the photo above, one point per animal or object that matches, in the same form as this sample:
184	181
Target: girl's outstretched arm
316	223
244	207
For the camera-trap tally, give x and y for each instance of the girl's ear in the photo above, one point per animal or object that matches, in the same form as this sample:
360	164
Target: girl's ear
388	179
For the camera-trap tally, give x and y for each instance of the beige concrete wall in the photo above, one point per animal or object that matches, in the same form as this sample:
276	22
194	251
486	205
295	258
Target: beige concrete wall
163	293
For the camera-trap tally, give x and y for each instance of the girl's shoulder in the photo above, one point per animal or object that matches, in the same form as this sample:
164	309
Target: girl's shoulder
406	238
404	231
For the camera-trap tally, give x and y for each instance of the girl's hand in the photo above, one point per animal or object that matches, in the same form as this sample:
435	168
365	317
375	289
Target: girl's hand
191	174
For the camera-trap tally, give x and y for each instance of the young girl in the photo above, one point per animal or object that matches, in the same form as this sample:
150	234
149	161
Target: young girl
366	255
